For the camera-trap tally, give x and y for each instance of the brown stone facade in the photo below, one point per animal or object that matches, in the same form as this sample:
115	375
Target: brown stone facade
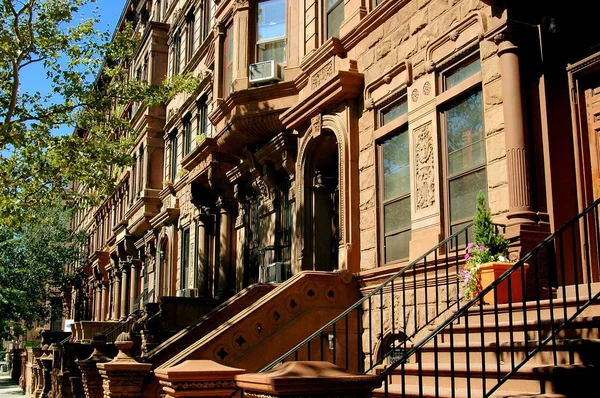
360	147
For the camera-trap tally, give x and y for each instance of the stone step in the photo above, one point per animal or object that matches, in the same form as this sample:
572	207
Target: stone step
396	391
532	330
567	352
474	377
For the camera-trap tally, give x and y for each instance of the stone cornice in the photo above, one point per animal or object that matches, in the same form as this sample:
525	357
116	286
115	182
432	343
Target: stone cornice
385	79
151	28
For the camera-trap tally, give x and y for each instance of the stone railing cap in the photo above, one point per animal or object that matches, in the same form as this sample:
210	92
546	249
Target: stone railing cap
198	370
307	376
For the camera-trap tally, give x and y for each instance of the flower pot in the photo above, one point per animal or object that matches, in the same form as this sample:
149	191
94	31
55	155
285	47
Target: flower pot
492	271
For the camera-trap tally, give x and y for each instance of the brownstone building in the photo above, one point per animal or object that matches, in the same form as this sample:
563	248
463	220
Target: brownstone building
329	145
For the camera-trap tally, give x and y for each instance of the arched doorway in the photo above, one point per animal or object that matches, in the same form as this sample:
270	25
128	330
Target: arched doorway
322	199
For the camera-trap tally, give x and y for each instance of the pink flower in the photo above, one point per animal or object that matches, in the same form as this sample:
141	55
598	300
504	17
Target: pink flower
467	256
470	245
482	247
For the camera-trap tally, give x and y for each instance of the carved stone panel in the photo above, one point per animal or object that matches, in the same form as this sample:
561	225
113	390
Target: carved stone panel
424	167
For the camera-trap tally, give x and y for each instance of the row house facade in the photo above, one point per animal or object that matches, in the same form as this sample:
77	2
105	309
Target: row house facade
346	136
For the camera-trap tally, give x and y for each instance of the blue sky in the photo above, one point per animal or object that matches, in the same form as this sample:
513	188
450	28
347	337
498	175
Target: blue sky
34	77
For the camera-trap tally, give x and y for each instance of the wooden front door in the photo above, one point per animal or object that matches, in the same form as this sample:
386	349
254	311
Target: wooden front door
592	110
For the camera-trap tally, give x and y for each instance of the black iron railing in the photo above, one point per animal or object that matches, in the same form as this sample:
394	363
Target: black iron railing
394	313
530	324
124	325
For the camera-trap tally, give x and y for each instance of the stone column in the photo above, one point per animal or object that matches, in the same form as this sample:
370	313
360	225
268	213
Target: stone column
103	301
124	286
198	378
135	280
521	209
117	296
226	276
202	265
97	300
308	379
92	382
123	376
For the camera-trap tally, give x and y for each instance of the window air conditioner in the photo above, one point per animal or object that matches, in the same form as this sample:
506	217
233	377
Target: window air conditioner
278	272
264	72
192	293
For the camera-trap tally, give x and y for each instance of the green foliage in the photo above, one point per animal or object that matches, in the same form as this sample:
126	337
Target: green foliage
486	233
37	167
32	265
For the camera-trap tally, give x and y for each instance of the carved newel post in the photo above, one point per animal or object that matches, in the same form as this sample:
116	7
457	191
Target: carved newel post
123	376
46	361
90	376
198	378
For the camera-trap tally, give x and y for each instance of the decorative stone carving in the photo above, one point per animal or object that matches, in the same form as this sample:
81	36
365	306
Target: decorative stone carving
424	167
414	95
321	76
316	122
426	88
429	66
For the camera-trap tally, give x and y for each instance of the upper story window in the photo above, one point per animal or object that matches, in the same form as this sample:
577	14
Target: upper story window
228	61
271	31
176	52
145	68
202	116
190	22
157	11
334	16
185	257
173	163
463	131
206	18
187	134
394	183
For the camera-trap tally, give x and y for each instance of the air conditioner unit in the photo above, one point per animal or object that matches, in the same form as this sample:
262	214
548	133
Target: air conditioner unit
264	72
193	293
277	272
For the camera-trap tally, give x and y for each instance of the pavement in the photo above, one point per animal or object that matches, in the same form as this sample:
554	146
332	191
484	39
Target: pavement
8	388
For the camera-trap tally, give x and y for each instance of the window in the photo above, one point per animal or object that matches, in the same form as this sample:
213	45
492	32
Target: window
176	52
187	134
394	183
145	69
191	27
271	31
393	112
133	179
157	11
207	18
202	117
228	61
185	257
173	156
334	15
141	171
462	121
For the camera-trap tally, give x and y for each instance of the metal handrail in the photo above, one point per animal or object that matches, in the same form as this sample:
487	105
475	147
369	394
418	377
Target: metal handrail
577	231
450	244
123	325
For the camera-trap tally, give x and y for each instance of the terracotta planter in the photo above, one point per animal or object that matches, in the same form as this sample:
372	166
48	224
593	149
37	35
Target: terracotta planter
492	271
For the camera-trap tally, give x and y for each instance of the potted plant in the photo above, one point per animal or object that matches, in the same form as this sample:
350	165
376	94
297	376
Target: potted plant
487	259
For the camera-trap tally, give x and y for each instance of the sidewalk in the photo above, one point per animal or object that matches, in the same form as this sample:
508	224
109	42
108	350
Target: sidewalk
8	388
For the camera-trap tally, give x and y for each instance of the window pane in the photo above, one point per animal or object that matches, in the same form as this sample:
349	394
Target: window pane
396	166
274	50
463	192
464	126
271	19
462	73
335	16
394	112
396	246
397	215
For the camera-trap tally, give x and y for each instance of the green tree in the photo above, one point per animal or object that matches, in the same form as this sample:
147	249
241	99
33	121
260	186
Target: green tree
33	260
485	232
87	71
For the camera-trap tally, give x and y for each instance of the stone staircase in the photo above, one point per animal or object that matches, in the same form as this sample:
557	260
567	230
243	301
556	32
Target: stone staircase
479	350
253	336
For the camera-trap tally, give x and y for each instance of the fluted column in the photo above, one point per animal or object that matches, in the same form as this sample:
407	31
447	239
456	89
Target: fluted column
521	210
104	301
202	259
117	296
135	280
124	287
97	300
226	275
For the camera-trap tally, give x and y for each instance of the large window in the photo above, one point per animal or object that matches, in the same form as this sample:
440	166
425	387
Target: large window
173	156
185	257
176	52
465	144
187	134
190	22
394	184
271	29
228	61
334	16
202	117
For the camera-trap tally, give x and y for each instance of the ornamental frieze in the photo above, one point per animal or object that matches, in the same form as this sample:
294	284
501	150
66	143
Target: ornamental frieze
424	167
